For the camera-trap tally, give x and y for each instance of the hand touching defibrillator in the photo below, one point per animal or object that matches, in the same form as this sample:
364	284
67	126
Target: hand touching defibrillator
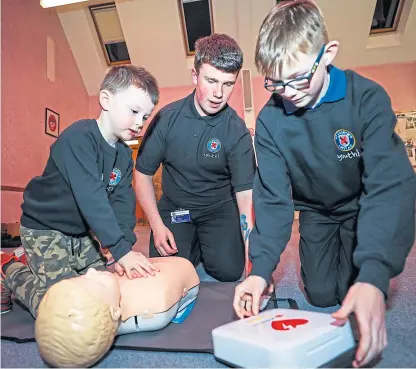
248	295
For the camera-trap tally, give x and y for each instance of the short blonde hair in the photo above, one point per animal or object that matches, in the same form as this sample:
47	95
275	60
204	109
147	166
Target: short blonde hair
289	28
73	328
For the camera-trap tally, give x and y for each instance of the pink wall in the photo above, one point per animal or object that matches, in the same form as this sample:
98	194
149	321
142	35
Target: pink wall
398	79
171	94
167	95
93	107
26	92
260	94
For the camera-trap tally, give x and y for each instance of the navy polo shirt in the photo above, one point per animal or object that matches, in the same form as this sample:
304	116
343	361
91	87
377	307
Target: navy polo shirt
205	159
337	90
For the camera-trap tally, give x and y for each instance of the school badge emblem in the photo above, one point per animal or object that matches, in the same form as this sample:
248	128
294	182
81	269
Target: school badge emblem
344	140
214	145
115	177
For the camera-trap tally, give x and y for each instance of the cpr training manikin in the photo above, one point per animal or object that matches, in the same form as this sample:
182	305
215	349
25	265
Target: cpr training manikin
79	318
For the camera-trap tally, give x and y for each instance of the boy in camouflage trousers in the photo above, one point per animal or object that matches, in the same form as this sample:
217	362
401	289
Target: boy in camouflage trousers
86	188
53	257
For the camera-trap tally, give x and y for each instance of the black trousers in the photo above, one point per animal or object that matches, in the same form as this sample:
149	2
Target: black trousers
213	237
326	251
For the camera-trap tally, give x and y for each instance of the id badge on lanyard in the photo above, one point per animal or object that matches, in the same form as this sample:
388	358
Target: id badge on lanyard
180	216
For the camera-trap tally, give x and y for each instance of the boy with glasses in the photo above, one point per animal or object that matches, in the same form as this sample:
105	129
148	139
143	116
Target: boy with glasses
326	146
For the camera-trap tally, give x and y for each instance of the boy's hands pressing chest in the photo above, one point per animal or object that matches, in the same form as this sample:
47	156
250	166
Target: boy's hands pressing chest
136	265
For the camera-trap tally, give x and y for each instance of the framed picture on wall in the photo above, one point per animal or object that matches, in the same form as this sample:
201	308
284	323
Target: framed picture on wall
51	123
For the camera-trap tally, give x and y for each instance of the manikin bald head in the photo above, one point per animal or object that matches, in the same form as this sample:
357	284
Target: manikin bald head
74	327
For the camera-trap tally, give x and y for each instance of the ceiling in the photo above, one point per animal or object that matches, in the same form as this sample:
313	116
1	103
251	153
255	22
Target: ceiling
153	33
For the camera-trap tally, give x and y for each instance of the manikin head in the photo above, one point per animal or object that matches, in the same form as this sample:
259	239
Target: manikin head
128	95
293	52
218	60
78	319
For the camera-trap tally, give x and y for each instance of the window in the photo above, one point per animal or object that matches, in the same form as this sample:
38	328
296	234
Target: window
110	33
196	21
386	16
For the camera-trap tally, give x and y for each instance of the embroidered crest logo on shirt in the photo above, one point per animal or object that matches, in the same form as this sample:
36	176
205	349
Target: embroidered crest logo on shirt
214	145
344	140
115	177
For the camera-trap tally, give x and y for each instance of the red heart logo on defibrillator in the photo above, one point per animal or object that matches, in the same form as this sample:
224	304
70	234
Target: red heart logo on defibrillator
287	324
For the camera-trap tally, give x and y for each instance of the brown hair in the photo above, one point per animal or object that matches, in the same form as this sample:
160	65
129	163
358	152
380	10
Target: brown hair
289	28
123	76
219	50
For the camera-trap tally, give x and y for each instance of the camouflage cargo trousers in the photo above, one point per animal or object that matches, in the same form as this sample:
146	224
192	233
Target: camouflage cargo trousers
51	257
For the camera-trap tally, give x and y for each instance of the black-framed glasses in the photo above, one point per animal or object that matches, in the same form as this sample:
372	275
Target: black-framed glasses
298	83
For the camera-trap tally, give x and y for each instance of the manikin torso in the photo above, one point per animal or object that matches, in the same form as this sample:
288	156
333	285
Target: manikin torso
101	305
152	303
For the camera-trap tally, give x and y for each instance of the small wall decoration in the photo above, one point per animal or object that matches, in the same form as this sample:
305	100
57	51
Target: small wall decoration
406	129
406	124
51	123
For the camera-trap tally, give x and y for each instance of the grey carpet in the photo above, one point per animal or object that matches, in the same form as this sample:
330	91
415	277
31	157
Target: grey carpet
401	326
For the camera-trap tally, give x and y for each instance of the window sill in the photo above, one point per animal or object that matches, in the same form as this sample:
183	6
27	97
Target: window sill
377	41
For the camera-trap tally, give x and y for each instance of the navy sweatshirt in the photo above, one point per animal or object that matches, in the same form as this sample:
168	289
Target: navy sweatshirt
86	186
340	157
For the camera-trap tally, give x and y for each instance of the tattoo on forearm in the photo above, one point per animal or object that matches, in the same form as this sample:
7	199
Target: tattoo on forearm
244	226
